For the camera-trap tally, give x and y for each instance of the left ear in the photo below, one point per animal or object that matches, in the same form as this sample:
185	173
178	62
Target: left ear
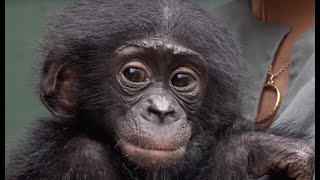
59	91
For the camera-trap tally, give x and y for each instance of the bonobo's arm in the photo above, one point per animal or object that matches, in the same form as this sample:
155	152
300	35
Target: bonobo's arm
253	155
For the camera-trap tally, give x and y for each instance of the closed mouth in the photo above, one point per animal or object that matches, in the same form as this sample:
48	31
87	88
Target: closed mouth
159	156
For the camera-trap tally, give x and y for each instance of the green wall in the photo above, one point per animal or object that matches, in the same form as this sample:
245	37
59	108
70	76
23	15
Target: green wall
24	21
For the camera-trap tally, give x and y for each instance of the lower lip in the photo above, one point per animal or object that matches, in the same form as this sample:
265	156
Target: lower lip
152	157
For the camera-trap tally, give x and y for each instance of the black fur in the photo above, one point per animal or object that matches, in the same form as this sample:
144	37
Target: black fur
84	35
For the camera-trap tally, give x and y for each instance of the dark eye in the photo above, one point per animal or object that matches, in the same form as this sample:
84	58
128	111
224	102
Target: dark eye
182	80
135	74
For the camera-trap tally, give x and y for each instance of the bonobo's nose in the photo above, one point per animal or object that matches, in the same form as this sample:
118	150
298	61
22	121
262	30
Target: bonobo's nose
162	109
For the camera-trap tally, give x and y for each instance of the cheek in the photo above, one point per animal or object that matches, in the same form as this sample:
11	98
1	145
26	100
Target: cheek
127	124
192	101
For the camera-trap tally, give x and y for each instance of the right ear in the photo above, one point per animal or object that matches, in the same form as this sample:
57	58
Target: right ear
59	89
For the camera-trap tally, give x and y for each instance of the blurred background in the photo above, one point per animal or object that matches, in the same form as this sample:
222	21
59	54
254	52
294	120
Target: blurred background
24	22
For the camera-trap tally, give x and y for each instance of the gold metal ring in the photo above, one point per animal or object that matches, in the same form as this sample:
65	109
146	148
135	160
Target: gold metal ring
276	106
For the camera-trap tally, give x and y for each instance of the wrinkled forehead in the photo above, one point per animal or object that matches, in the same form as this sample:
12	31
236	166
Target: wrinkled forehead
151	49
161	44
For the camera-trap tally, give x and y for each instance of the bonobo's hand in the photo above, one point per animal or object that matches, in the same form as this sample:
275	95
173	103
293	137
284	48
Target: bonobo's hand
253	155
270	153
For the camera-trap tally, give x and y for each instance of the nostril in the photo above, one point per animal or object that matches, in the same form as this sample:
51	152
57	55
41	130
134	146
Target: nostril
170	113
159	113
153	111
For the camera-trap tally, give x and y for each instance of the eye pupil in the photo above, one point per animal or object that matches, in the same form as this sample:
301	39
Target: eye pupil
134	74
181	80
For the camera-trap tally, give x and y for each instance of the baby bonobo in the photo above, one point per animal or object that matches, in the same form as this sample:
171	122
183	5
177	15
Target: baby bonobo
146	89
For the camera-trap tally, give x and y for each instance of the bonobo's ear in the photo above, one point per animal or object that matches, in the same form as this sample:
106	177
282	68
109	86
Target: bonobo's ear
58	89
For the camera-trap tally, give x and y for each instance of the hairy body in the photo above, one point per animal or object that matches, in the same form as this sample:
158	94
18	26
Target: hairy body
145	93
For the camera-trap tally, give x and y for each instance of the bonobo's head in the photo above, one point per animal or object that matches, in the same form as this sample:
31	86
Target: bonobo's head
160	83
156	78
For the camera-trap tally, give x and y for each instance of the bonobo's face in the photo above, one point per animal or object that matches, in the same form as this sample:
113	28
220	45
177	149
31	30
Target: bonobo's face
161	84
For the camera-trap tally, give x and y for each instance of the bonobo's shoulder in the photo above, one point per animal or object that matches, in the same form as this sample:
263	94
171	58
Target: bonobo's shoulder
35	150
48	134
56	148
48	131
44	131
